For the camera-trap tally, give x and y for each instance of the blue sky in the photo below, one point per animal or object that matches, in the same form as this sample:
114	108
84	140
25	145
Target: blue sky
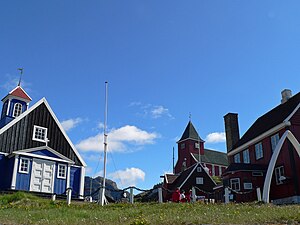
163	60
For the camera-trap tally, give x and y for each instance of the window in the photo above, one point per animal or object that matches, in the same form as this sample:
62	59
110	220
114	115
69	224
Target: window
259	151
235	184
257	174
237	158
182	146
17	109
199	180
24	165
274	141
62	171
39	133
246	157
213	172
279	174
199	169
197	145
248	186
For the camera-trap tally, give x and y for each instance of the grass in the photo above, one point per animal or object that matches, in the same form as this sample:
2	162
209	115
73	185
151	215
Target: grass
21	208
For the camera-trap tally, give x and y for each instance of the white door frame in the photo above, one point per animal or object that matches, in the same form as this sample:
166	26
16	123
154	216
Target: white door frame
41	161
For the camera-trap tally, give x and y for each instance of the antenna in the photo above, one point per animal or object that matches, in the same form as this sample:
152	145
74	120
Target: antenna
173	162
102	192
21	73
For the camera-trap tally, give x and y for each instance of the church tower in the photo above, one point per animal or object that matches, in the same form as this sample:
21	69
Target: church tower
15	103
189	143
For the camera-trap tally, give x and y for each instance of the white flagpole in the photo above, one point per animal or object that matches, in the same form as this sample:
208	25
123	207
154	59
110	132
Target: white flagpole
102	196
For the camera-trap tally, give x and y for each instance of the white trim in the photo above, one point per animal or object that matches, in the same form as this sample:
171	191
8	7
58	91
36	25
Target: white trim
81	189
53	178
267	184
45	148
8	106
14	175
42	157
14	109
43	100
5	154
291	115
35	127
68	176
260	137
198	140
65	169
239	182
28	165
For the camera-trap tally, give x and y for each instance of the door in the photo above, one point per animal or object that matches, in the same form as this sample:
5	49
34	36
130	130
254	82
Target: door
42	176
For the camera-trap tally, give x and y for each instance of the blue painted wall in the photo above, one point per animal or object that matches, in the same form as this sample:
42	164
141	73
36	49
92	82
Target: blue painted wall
4	109
6	168
23	179
45	153
75	173
60	184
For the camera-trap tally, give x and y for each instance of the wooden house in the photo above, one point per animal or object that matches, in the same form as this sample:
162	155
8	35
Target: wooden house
195	165
267	155
36	154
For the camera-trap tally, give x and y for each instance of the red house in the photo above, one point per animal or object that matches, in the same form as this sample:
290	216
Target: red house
195	165
267	155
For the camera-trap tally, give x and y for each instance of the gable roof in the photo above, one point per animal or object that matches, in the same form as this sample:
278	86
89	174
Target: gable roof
274	117
170	178
212	157
186	174
190	133
19	92
21	128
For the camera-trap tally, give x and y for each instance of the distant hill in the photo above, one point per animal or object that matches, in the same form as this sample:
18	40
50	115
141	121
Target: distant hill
149	196
91	186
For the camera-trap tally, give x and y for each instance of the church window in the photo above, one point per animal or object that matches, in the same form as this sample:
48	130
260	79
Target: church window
197	145
39	133
199	169
274	141
24	165
235	184
279	174
17	109
62	171
199	180
259	151
182	146
237	158
246	157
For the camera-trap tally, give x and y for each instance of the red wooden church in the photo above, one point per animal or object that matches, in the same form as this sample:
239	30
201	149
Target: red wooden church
195	166
267	155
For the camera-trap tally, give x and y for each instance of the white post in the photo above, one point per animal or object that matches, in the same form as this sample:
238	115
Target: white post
90	199
160	196
258	192
227	195
53	197
131	195
69	196
193	194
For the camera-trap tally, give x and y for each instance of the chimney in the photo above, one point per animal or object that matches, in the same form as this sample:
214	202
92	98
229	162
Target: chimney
232	130
286	94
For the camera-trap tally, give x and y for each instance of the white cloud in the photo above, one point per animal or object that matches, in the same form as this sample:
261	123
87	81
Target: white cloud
216	137
71	123
128	177
154	111
12	81
118	139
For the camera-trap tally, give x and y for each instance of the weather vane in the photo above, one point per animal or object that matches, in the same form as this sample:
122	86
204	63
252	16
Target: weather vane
190	116
21	73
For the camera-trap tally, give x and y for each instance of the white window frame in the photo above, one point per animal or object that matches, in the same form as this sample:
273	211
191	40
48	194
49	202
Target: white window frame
259	152
257	174
246	156
199	180
17	108
197	145
20	165
65	171
274	141
199	169
234	182
237	158
248	186
279	172
38	139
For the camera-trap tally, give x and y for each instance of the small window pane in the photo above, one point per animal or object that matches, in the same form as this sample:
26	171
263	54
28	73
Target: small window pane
237	158
274	141
235	184
199	180
24	165
61	171
17	110
259	151
39	133
246	156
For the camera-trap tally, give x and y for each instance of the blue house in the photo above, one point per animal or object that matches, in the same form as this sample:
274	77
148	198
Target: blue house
35	152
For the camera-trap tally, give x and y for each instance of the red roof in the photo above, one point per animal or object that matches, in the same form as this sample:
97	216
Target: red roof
19	92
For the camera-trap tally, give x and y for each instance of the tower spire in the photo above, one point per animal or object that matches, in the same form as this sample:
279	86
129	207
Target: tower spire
21	73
